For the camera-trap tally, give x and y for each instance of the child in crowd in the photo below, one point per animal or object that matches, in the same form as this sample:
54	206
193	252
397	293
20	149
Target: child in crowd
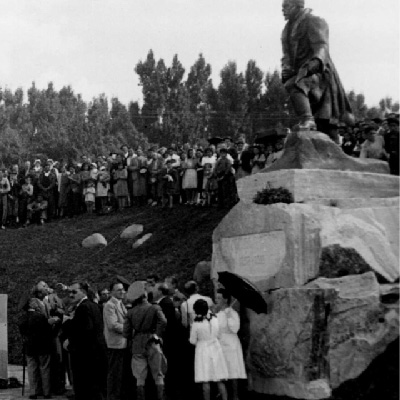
103	187
209	364
25	196
37	209
13	200
210	184
89	193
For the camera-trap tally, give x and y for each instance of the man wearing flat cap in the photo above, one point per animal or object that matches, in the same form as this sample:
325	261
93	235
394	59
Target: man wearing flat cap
308	72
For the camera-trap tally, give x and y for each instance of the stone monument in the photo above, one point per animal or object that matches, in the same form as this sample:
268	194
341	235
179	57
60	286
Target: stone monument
3	337
327	264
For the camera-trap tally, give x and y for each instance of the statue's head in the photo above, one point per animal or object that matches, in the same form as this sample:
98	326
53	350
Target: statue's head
290	8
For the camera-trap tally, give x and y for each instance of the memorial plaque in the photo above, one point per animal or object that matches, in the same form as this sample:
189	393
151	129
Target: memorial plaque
3	337
257	255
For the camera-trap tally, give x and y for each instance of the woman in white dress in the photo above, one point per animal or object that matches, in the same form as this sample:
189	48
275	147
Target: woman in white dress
209	361
229	324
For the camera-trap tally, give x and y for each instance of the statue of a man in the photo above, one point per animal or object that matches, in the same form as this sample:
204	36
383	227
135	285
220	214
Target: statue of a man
308	72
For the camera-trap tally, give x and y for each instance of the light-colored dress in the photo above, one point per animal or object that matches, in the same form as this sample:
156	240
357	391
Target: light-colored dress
121	184
190	174
209	361
229	324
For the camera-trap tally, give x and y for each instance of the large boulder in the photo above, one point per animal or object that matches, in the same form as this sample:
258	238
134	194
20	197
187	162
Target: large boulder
132	231
316	337
282	246
94	240
315	150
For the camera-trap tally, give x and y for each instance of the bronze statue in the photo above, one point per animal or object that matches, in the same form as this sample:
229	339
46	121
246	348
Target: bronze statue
308	72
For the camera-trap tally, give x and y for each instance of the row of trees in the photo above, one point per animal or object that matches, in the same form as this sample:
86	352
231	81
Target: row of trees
177	107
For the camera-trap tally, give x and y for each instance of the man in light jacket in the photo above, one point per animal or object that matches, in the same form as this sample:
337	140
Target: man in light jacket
114	313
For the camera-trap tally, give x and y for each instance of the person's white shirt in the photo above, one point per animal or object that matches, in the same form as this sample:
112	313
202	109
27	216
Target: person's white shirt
209	160
187	311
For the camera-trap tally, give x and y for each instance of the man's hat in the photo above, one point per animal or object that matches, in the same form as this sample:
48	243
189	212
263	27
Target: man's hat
136	290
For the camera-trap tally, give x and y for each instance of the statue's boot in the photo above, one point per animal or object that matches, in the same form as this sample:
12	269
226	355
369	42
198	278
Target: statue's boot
302	108
140	394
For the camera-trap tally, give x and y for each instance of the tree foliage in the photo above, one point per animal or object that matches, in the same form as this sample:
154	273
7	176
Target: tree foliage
177	107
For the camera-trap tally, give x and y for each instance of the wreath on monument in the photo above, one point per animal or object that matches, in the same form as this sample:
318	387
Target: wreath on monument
271	195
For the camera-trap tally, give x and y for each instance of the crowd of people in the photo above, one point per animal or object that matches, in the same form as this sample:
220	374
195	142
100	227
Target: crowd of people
141	340
164	176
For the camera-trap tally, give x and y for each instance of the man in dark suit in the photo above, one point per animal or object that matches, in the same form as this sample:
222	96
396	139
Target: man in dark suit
87	346
171	337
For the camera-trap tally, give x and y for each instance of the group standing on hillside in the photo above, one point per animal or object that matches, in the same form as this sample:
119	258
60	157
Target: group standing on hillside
164	177
111	342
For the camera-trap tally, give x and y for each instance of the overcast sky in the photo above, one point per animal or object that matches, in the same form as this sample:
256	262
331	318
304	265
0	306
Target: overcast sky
94	45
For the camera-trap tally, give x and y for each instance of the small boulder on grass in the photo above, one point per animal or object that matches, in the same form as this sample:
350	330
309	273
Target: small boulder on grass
140	241
94	240
132	231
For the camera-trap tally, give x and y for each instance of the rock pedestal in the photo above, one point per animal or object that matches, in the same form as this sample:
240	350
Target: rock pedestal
326	265
318	336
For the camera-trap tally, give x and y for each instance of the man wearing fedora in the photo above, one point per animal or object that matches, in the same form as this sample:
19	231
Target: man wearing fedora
144	326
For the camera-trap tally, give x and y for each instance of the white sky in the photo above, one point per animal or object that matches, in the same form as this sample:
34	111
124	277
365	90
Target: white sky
94	45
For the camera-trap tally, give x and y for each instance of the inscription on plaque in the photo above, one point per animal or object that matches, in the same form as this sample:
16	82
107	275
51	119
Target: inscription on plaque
257	255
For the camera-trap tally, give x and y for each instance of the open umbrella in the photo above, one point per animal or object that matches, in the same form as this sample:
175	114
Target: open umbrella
215	140
244	291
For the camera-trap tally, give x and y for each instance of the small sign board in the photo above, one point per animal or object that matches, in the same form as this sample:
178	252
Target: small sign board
3	337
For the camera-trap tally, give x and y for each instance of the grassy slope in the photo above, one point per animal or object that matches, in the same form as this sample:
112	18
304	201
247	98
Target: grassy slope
181	238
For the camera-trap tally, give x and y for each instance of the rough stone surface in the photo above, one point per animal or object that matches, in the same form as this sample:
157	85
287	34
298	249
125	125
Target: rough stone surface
315	150
280	246
315	184
357	202
316	337
140	241
360	326
202	271
132	231
288	345
94	240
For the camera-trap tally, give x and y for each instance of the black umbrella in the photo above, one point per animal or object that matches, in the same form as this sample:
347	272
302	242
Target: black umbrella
215	140
244	291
